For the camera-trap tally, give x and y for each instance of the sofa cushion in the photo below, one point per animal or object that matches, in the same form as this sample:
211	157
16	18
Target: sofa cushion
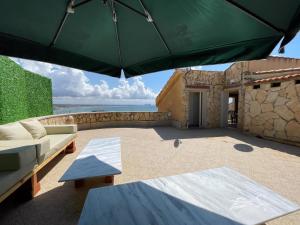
35	128
42	148
14	158
61	129
10	178
58	141
14	131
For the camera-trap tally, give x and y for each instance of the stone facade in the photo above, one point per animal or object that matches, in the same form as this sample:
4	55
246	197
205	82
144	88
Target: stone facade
175	96
270	112
273	112
234	82
110	119
214	80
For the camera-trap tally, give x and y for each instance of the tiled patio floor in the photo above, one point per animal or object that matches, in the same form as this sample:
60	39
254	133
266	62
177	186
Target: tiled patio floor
149	153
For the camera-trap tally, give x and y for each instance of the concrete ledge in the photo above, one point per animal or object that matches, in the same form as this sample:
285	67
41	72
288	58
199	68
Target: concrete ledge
93	120
128	124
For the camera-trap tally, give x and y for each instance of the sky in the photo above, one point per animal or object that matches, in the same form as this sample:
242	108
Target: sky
72	86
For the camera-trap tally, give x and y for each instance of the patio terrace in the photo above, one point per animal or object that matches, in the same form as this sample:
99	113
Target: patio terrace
149	153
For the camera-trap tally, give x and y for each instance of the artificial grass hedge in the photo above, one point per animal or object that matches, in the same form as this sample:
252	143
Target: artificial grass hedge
22	94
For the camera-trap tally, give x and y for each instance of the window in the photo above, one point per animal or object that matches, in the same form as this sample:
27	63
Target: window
297	81
256	86
277	84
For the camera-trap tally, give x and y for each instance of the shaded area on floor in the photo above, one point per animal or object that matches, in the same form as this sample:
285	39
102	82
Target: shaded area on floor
167	133
142	204
243	148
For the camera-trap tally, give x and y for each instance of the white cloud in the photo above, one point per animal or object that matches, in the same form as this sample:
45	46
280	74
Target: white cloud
94	100
275	55
196	67
69	82
192	68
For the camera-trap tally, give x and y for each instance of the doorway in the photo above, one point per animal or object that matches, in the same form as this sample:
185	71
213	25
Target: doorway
233	108
197	109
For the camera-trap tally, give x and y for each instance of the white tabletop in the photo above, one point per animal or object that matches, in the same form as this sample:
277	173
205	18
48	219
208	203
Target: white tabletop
218	196
101	157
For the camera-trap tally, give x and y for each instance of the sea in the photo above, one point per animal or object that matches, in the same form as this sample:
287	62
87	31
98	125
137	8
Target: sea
68	108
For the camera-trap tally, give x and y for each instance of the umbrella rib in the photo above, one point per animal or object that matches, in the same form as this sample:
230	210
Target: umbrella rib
58	31
255	16
116	30
156	28
62	23
70	6
130	8
119	44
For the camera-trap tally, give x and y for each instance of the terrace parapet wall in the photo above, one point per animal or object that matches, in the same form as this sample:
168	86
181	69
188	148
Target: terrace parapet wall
96	120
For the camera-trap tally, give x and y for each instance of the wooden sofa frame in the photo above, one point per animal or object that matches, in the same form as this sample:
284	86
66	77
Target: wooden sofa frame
35	186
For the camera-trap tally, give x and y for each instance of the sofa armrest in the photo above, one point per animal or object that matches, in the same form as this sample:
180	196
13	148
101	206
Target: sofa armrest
15	157
61	129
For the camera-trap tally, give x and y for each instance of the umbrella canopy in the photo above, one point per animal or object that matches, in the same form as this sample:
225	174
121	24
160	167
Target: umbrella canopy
143	36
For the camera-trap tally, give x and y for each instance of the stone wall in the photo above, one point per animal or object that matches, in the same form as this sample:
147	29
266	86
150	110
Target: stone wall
96	120
273	112
172	99
272	63
233	73
175	95
215	81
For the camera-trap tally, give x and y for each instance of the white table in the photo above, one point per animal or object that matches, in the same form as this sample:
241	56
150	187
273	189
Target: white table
100	158
218	196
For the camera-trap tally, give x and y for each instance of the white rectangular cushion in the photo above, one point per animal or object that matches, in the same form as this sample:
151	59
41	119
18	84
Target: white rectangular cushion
61	129
14	131
58	141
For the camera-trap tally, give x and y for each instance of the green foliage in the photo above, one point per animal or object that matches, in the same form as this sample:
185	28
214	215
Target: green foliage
22	94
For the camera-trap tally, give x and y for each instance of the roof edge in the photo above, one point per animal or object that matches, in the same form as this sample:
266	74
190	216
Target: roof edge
170	83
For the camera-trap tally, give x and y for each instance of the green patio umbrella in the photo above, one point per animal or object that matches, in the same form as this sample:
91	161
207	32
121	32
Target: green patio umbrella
143	36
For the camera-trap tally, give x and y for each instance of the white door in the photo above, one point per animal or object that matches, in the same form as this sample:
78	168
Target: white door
202	108
197	109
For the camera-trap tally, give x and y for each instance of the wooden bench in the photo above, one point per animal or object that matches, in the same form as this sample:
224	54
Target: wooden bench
100	158
29	184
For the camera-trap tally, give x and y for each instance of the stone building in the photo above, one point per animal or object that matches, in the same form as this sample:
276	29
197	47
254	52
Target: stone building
261	97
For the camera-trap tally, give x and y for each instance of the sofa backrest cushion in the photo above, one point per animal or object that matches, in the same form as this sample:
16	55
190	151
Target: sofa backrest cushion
14	131
35	128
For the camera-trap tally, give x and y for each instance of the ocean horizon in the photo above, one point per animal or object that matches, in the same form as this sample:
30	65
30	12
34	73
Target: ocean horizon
73	108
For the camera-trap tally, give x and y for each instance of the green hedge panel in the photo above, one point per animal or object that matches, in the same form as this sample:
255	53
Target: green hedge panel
22	94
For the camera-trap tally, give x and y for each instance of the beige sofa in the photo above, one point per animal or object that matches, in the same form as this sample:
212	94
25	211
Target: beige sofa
21	159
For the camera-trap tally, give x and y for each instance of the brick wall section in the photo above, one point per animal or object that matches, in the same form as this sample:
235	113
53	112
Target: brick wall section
110	119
